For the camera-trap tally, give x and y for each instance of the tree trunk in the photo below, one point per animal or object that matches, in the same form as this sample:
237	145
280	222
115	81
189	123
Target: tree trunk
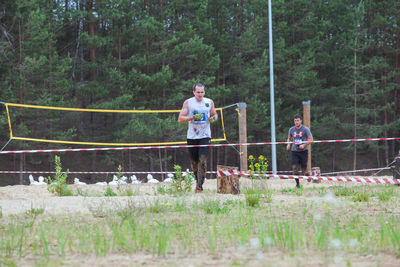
211	160
161	167
93	167
21	168
378	161
91	37
119	47
333	157
355	104
21	91
385	113
396	81
165	161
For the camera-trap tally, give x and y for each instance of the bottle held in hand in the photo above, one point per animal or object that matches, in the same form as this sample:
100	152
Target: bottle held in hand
197	116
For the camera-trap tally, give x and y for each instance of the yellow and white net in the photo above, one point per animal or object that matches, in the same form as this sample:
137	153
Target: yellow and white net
100	127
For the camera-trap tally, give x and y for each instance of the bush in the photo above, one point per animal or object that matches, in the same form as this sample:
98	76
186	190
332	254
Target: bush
58	185
182	184
258	168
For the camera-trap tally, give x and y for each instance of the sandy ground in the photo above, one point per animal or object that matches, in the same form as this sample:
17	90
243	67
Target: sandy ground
21	198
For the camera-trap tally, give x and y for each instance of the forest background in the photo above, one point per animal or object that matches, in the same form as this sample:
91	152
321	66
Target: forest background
117	54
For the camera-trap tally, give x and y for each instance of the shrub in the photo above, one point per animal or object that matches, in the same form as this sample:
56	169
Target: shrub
258	168
59	185
182	184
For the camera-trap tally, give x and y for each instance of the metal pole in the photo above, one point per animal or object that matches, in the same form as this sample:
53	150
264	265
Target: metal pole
271	81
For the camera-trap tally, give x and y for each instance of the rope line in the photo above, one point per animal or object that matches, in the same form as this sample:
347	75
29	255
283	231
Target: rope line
390	164
106	172
362	170
228	106
186	146
5	145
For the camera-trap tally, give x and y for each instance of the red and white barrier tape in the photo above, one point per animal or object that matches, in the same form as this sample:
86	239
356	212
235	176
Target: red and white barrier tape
185	146
321	178
73	172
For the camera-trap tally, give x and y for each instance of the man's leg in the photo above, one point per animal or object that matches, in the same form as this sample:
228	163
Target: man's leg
202	170
304	162
194	157
296	167
195	168
202	166
296	171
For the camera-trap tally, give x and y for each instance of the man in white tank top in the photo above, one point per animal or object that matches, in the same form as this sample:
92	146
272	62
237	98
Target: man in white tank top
199	112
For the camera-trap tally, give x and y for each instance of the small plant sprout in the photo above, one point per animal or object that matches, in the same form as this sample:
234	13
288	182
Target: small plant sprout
59	185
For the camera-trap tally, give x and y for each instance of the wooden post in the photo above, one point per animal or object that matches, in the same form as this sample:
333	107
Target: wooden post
307	122
242	136
228	184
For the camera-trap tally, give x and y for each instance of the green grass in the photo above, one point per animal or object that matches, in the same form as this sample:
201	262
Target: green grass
293	190
81	192
34	212
177	225
109	192
361	197
212	207
253	197
344	191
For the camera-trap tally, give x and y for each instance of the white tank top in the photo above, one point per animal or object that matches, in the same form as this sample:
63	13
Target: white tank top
199	128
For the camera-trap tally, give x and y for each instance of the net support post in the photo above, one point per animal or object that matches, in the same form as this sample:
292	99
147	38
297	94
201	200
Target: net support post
243	135
307	122
396	168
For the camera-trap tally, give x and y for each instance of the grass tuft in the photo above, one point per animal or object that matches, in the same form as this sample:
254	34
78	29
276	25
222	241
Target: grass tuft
109	192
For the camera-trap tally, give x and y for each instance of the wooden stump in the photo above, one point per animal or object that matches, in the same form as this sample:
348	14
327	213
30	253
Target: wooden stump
228	184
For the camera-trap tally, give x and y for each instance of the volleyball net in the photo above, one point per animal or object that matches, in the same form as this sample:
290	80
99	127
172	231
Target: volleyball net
100	127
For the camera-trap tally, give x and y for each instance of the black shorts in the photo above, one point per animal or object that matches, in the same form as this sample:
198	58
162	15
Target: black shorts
300	158
196	152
